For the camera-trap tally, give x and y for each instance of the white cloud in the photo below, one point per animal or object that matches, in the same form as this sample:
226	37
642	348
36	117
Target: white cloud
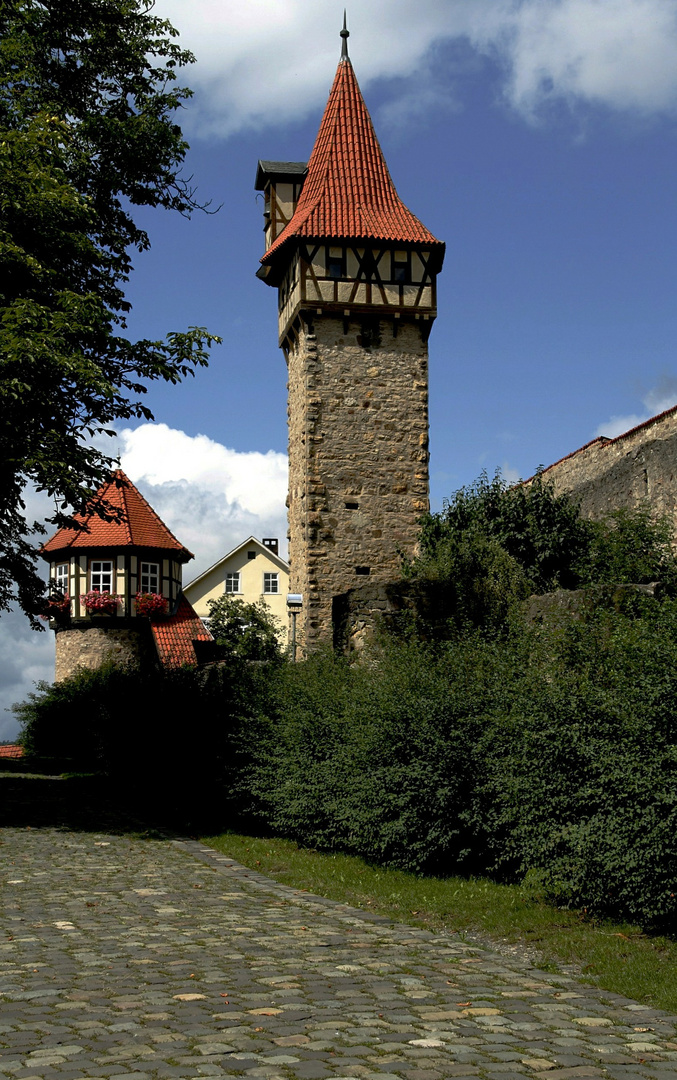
210	496
510	474
657	400
267	62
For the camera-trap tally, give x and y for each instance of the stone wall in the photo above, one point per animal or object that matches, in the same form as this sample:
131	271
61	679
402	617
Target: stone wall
358	456
638	466
90	646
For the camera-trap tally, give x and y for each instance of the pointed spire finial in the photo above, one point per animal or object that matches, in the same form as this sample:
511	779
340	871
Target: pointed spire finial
345	34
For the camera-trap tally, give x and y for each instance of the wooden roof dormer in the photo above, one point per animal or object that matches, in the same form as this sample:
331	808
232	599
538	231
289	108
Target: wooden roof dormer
351	243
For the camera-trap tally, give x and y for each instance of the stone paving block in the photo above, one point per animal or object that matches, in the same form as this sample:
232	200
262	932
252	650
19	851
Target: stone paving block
171	962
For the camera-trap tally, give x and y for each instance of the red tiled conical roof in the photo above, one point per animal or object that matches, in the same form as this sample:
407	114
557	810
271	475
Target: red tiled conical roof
174	636
138	525
348	192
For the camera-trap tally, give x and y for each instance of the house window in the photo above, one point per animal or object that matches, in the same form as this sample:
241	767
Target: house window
150	577
271	583
101	576
61	578
233	582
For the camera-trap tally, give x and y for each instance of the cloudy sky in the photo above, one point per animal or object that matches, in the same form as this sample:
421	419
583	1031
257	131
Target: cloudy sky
536	137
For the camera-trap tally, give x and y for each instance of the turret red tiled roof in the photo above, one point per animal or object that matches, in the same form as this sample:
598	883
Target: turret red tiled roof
139	525
174	636
348	192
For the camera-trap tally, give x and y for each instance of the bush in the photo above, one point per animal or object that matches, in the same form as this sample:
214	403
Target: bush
544	755
374	759
169	740
494	544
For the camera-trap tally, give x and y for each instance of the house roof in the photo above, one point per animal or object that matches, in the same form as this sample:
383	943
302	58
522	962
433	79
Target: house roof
138	524
276	559
174	636
348	192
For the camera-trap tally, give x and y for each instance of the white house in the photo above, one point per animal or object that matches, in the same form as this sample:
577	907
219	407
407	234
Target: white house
252	571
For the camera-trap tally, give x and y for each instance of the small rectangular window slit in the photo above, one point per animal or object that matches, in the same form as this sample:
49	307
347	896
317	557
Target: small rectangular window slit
352	506
363	571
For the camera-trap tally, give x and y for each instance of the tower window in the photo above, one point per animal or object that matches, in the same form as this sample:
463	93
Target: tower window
150	577
101	576
233	582
61	578
363	571
401	273
335	266
352	506
271	583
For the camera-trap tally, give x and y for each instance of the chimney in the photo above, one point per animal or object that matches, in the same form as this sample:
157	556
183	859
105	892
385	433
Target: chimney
271	544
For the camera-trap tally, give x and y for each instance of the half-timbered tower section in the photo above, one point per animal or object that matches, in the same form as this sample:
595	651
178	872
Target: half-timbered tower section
115	586
356	278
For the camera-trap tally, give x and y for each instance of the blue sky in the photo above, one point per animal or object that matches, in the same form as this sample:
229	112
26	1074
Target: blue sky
536	138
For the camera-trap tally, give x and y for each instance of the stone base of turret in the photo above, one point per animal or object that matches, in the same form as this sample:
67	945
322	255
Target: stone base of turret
89	646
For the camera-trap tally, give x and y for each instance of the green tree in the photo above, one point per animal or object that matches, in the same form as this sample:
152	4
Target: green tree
249	631
88	97
493	544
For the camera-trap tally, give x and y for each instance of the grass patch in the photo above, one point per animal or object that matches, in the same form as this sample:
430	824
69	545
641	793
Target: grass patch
614	956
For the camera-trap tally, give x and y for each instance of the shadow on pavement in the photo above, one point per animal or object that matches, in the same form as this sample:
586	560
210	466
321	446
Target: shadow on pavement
83	803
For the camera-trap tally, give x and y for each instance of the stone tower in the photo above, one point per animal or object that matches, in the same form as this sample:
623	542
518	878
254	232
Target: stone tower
356	278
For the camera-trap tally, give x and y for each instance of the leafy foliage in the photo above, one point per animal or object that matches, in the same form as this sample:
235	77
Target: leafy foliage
248	631
87	101
547	757
494	544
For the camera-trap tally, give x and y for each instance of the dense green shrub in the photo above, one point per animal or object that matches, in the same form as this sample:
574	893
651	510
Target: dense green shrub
548	755
494	544
374	758
169	740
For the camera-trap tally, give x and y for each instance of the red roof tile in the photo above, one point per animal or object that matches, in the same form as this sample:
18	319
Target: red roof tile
348	192
139	525
12	751
174	636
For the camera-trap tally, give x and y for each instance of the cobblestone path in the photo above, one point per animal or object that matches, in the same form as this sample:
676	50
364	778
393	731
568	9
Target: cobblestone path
138	958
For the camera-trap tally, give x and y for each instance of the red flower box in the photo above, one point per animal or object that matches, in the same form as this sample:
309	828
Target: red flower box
151	604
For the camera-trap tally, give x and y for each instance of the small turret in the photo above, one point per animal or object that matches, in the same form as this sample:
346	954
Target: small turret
111	579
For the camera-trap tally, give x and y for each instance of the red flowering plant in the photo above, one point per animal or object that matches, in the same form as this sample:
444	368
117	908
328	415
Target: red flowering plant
150	604
56	606
100	603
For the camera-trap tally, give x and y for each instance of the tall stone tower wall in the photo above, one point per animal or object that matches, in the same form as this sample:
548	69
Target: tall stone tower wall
358	456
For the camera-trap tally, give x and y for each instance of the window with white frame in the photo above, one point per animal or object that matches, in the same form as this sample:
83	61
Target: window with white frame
101	575
233	582
150	577
60	579
271	583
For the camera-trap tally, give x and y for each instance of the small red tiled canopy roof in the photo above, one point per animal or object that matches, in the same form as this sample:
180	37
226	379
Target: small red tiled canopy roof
11	751
139	525
174	636
348	192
